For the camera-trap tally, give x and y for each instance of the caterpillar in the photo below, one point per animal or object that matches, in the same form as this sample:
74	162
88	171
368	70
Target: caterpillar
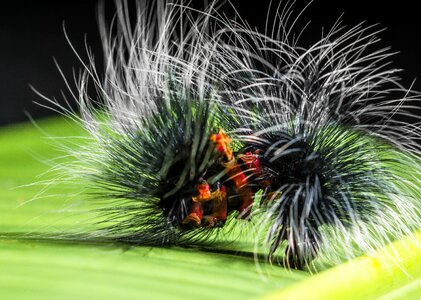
201	124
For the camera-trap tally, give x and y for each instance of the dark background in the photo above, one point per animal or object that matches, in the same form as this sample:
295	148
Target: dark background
32	34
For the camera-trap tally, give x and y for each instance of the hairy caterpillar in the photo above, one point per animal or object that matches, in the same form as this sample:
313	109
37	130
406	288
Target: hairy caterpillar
201	123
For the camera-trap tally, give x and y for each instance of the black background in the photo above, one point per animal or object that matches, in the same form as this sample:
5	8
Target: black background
32	34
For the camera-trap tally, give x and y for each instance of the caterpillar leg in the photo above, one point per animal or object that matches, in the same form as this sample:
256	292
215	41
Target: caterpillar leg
194	218
209	208
218	209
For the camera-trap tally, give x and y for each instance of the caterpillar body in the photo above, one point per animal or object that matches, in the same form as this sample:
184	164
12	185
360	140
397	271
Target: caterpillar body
200	123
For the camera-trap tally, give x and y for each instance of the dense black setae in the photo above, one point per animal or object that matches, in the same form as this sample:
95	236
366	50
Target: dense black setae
332	177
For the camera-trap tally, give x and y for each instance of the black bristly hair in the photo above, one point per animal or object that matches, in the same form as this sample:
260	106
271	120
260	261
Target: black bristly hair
332	177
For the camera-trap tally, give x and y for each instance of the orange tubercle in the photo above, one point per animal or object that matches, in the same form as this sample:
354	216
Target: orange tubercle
222	141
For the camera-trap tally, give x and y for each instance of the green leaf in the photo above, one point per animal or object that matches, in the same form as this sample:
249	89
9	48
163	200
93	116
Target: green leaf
37	262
